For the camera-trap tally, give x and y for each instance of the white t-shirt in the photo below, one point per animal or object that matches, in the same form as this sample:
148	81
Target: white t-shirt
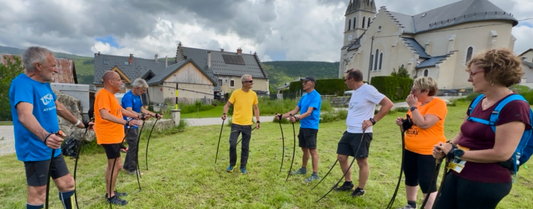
362	106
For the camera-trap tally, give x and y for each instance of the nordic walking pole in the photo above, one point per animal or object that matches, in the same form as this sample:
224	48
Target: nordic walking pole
50	168
148	141
115	162
241	137
293	151
335	163
219	136
283	143
138	171
349	167
402	130
78	153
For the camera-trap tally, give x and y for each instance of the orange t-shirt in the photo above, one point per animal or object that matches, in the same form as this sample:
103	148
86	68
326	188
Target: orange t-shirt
421	141
107	132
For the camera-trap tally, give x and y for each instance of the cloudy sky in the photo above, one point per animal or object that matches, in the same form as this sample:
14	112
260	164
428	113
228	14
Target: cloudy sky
275	29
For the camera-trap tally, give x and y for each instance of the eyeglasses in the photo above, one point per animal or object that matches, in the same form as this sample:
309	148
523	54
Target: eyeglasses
250	81
472	74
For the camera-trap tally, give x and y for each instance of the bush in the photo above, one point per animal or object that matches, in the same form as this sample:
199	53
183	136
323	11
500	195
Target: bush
197	106
334	86
395	88
270	107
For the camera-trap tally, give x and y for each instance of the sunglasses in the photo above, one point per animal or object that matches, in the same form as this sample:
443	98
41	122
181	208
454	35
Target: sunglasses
250	81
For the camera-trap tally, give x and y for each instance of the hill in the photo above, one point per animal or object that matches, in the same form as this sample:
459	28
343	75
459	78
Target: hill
279	72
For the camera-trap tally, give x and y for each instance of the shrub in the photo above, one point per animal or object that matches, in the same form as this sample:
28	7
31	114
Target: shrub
334	86
394	87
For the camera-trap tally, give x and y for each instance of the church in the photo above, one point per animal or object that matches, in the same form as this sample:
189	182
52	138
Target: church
436	43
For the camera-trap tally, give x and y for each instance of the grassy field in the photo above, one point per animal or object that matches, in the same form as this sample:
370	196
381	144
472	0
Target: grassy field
183	174
6	123
211	113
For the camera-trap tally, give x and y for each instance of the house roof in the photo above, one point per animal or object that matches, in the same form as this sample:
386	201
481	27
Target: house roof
137	69
163	74
226	63
525	52
432	61
453	14
417	47
529	64
65	67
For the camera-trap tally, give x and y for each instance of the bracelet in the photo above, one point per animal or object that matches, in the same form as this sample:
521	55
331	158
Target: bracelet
373	121
224	114
258	121
46	137
127	123
77	123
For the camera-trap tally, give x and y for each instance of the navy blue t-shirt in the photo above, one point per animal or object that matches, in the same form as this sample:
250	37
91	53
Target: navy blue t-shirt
130	100
24	89
311	99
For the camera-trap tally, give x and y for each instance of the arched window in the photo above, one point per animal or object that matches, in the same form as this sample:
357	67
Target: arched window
380	59
426	73
469	52
354	23
363	24
368	25
349	23
376	59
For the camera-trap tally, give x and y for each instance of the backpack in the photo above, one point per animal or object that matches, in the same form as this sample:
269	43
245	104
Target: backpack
525	147
70	148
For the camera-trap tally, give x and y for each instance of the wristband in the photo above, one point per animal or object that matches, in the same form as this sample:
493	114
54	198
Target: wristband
258	121
46	137
127	123
373	121
413	108
77	123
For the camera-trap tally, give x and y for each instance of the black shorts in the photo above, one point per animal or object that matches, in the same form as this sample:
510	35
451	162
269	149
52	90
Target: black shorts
37	171
349	144
112	150
419	169
307	138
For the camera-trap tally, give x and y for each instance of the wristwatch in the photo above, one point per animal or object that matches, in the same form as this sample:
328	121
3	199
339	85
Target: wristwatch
413	108
373	121
456	152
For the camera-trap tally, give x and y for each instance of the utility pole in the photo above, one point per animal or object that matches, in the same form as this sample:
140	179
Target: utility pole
371	58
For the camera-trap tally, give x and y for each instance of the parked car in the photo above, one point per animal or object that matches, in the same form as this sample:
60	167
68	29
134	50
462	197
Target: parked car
348	93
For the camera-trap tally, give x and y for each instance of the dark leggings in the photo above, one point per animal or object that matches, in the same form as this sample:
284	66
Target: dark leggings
460	193
419	169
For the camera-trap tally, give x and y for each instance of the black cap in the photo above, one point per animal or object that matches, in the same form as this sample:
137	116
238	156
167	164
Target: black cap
308	78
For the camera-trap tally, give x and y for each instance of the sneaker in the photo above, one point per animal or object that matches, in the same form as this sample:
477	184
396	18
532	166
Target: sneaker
134	172
119	194
243	171
345	187
299	171
408	207
312	178
358	192
117	201
230	169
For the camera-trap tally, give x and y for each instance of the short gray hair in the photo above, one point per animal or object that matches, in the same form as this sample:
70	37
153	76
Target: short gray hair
139	82
34	55
243	77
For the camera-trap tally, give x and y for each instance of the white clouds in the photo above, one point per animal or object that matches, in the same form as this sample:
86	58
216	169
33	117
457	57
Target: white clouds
275	29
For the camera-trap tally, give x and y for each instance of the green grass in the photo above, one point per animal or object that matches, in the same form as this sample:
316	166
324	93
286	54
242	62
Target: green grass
211	113
182	172
6	123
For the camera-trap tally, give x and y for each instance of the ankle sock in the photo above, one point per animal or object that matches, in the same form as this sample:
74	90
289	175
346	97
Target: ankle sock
348	183
28	206
411	203
66	199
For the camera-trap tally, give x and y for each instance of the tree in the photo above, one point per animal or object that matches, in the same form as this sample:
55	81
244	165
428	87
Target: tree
8	72
402	72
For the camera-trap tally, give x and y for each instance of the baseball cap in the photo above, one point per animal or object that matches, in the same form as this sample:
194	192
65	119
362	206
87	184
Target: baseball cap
309	78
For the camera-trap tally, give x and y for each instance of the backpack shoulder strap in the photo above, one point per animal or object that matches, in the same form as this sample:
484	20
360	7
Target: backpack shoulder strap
474	103
496	112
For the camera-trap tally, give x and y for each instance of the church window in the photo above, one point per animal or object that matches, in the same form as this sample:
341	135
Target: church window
426	73
469	53
380	59
376	59
363	24
354	23
368	25
349	23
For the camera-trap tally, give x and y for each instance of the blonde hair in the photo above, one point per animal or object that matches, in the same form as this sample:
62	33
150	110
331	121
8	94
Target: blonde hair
426	83
501	66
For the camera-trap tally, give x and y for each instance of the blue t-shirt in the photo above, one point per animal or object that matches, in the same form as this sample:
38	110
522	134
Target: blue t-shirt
130	100
24	89
311	99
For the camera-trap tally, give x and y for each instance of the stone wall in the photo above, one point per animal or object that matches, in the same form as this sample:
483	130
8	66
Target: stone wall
74	106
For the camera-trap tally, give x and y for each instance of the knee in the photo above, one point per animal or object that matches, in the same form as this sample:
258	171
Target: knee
67	184
362	163
342	158
36	195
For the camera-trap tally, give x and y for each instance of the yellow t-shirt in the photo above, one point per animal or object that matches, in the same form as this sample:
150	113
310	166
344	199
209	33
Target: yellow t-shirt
106	131
243	106
421	141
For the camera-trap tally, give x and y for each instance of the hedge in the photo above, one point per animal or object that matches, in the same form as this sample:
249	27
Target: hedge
334	86
395	88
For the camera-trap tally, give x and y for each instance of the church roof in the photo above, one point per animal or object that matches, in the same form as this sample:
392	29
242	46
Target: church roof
358	5
453	14
417	47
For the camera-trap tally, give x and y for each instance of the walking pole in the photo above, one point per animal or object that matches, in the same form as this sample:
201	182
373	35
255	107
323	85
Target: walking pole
293	151
283	143
349	167
407	123
50	169
138	171
219	136
335	163
113	168
148	141
78	153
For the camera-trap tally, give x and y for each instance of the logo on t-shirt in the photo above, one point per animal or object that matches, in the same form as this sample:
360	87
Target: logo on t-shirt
47	99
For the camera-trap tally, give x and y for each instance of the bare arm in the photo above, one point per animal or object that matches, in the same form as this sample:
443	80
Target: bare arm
305	114
386	105
26	118
64	113
256	112
128	113
225	110
424	121
292	112
107	116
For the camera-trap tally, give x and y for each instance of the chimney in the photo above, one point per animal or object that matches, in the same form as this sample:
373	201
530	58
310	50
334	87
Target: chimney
131	59
156	56
208	59
166	61
222	50
239	51
98	52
